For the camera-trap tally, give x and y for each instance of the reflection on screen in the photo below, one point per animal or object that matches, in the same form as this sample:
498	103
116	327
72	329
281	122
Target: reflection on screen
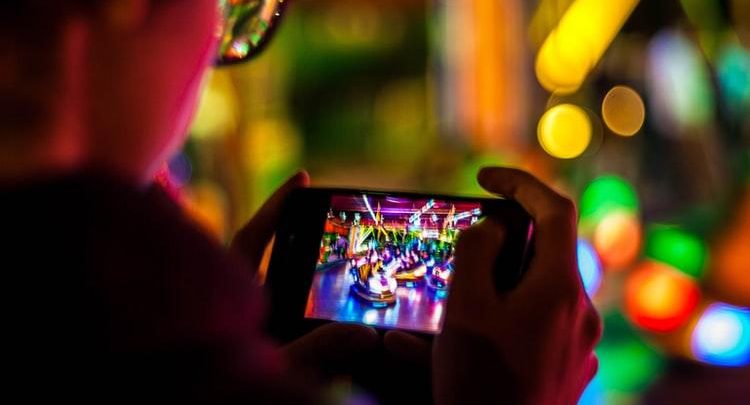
388	260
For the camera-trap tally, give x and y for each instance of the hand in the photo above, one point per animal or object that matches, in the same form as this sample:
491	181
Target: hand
332	349
251	241
531	345
409	349
408	360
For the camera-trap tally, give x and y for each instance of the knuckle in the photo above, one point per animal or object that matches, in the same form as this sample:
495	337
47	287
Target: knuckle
574	305
571	292
593	326
567	301
562	215
565	207
523	174
469	238
594	365
465	241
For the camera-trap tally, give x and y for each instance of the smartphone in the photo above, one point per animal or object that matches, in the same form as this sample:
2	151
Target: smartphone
381	258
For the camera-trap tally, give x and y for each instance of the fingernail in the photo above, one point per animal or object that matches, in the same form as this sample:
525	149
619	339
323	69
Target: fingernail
303	177
484	171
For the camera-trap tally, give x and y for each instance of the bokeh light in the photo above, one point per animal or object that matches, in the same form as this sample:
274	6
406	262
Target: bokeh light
605	195
575	46
206	204
617	239
180	169
217	112
623	111
626	362
740	12
589	267
681	99
659	298
593	394
564	131
707	18
733	70
678	248
730	257
722	336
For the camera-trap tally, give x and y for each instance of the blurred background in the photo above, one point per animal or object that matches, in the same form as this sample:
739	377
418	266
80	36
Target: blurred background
639	111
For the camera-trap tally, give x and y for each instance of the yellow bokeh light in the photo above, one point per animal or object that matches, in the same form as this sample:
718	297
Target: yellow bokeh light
564	131
217	112
623	111
575	46
206	204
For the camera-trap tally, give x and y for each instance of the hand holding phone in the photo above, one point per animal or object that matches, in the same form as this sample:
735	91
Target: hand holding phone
532	344
328	348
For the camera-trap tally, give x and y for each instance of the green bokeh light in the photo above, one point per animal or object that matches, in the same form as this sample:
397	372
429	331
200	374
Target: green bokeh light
605	195
627	364
466	178
677	248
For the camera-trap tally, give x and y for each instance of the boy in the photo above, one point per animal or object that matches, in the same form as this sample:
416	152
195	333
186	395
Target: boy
114	295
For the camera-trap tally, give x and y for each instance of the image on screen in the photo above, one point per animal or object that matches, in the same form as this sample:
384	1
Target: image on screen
388	260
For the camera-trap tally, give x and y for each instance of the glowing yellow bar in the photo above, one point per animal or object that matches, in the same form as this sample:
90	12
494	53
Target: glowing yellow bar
575	46
545	18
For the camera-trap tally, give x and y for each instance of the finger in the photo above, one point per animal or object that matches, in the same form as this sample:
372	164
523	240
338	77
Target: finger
332	345
538	199
473	287
476	251
592	367
407	347
554	217
252	239
592	326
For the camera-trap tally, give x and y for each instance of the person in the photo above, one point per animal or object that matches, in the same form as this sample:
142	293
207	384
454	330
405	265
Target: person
113	295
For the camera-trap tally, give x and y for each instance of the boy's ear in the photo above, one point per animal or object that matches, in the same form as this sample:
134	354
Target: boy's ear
124	15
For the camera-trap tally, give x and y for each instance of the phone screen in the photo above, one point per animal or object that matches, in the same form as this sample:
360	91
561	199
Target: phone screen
388	260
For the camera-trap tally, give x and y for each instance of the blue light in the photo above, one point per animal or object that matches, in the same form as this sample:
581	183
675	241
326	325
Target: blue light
180	169
370	317
722	336
733	71
589	266
593	394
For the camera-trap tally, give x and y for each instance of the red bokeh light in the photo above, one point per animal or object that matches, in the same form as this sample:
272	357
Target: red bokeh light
659	298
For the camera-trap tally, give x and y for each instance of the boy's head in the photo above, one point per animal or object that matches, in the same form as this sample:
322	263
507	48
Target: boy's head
105	83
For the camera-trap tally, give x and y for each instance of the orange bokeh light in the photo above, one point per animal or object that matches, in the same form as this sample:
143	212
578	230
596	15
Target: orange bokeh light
659	298
730	274
617	239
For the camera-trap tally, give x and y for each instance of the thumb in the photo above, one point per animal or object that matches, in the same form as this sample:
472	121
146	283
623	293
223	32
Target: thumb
250	241
408	348
332	345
